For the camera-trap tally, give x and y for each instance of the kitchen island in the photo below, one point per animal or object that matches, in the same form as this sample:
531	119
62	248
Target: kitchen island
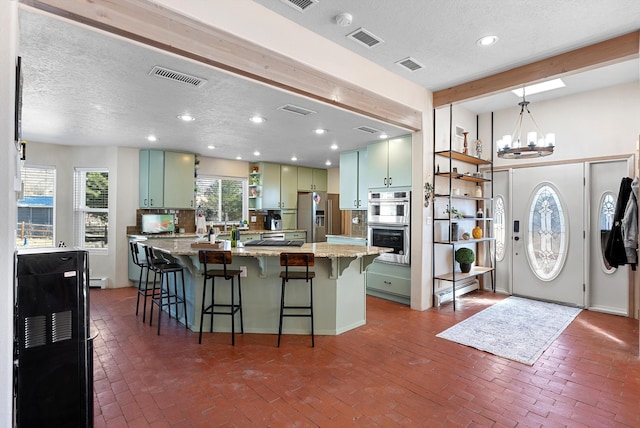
338	294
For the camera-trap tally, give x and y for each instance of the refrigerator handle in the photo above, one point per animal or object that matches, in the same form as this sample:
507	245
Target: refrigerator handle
329	216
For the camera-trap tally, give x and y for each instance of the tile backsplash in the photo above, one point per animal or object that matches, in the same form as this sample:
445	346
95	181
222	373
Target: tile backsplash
359	229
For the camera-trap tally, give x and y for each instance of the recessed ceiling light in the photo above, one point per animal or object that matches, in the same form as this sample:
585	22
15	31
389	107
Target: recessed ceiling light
186	118
152	138
238	157
540	87
334	146
327	163
320	131
256	153
383	136
211	147
293	158
487	41
257	119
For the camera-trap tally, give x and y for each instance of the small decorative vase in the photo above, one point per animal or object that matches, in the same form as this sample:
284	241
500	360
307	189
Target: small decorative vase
465	148
465	267
478	149
454	231
476	232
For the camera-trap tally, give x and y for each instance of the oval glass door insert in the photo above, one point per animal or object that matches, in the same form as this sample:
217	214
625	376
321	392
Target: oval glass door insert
547	237
607	211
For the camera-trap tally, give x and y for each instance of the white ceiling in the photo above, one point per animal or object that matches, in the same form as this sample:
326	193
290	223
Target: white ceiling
83	87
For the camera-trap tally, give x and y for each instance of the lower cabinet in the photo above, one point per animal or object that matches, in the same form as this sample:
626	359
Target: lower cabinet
295	236
391	282
244	236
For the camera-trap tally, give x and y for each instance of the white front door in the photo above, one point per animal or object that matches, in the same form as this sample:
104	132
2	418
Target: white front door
608	288
547	204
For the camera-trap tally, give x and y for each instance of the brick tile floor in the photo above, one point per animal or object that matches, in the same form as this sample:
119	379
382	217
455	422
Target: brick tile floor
391	372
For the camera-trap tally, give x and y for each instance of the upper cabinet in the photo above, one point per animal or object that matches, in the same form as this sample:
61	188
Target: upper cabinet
353	180
288	186
310	179
389	163
279	186
179	180
151	191
166	179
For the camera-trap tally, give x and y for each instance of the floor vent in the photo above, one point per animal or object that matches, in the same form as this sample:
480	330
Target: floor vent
300	5
368	130
365	38
447	295
296	110
410	64
177	76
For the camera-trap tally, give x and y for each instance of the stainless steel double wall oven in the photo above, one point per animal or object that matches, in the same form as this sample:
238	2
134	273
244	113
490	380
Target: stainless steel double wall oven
389	221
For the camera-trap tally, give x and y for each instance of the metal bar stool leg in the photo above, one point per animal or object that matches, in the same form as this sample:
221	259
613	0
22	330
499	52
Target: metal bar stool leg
313	343
240	303
233	315
184	301
281	310
204	295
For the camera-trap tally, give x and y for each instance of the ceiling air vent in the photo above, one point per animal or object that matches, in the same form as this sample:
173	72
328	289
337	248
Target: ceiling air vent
365	37
297	110
177	76
410	64
300	5
368	129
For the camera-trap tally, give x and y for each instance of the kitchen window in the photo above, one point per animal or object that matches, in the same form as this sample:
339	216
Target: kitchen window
222	198
36	208
91	203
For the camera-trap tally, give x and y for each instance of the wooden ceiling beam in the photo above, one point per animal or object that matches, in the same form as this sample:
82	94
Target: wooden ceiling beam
610	51
154	25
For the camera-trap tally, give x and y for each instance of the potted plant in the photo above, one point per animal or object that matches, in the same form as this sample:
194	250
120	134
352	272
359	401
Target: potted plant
465	256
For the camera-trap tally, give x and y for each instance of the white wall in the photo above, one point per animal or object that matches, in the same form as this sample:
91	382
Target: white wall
8	202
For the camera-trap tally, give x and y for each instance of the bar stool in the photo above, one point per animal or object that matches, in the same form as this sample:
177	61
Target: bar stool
143	290
163	296
296	259
223	258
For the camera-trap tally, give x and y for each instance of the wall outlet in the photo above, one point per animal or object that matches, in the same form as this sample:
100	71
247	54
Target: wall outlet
243	271
253	219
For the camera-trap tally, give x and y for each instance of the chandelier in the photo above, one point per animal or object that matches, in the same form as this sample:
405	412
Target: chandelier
537	144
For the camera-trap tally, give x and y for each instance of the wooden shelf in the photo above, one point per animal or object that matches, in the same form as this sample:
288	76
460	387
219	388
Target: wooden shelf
463	177
459	276
462	157
463	241
463	197
465	219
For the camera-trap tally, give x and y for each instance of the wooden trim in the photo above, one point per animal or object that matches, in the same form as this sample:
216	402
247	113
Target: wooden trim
154	25
604	53
564	162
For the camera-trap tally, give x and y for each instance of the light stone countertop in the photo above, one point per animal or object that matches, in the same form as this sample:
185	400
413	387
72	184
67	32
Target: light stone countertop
182	247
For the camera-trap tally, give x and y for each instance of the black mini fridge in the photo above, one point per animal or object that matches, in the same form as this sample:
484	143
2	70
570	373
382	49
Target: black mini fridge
53	350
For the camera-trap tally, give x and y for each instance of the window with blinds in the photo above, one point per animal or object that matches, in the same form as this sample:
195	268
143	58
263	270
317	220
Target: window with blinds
222	198
91	208
36	208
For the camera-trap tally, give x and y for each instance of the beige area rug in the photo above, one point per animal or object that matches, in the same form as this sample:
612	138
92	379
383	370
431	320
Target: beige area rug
515	328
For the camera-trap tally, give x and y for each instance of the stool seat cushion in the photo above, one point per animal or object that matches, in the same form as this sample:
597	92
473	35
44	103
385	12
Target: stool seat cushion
221	273
297	275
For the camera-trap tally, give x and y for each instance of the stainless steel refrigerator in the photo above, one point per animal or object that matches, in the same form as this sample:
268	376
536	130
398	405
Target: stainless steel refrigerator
319	215
53	350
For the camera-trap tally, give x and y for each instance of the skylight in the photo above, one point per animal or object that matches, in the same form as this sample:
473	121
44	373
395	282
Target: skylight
540	87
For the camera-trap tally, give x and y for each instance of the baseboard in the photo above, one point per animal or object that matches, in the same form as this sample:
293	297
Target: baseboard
445	296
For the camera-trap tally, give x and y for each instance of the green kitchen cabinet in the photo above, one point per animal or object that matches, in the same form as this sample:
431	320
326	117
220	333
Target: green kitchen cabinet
353	180
179	180
279	186
389	164
270	185
288	186
166	179
295	236
312	179
151	183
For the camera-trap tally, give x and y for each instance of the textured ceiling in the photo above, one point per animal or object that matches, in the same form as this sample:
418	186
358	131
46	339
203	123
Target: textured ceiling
82	87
